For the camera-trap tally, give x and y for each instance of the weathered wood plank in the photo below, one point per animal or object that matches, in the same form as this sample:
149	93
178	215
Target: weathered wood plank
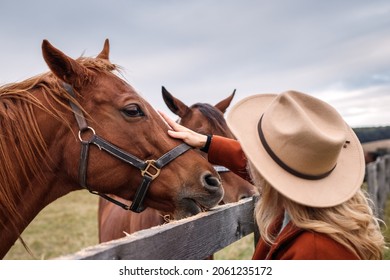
192	238
382	188
378	181
372	184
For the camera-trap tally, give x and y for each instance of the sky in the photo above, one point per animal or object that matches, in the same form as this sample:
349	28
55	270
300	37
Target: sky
336	50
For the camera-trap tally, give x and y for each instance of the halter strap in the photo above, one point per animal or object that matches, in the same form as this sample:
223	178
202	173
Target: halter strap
150	169
78	113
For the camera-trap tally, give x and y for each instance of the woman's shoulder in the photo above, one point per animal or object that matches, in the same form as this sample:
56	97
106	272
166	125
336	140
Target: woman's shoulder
312	245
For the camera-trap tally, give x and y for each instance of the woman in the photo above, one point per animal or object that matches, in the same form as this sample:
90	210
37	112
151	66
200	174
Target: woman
309	167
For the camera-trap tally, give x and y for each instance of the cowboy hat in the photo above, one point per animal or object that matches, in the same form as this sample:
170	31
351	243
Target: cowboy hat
301	146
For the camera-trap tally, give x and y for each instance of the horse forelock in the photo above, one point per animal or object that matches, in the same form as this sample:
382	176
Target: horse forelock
100	65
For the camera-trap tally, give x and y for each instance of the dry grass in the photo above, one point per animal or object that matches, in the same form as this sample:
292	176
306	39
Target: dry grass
240	250
65	226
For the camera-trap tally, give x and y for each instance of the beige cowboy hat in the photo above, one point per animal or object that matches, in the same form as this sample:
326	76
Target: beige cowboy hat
301	146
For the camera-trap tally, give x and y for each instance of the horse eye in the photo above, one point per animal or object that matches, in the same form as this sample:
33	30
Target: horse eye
132	110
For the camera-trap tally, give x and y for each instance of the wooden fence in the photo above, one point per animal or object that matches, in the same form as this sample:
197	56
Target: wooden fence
204	234
196	237
378	183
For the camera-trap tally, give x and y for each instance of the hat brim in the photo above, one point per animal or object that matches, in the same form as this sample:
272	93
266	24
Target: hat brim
339	186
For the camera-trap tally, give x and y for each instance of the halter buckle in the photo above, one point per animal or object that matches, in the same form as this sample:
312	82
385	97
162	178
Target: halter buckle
151	169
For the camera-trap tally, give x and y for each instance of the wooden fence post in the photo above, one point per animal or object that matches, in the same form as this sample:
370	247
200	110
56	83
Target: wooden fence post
387	172
372	184
378	181
256	232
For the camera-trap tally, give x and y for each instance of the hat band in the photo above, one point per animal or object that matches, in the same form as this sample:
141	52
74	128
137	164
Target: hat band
282	164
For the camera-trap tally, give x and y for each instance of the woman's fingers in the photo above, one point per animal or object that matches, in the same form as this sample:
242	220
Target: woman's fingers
174	125
178	131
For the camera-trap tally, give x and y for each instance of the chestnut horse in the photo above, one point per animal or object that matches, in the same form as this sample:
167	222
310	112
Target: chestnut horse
81	126
203	118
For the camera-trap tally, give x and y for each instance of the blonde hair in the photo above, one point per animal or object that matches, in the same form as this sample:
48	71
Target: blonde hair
351	223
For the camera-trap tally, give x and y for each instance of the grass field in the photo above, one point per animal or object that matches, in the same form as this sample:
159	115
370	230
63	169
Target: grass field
65	226
70	224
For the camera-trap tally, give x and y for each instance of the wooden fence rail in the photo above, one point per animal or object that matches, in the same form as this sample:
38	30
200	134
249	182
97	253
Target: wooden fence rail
193	238
378	183
204	234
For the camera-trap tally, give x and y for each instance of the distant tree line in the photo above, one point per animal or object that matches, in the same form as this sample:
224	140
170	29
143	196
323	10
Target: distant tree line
369	134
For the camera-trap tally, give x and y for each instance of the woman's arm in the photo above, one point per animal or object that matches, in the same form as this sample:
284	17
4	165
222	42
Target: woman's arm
221	151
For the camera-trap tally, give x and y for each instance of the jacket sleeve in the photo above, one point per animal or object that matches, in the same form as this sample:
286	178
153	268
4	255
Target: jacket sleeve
227	152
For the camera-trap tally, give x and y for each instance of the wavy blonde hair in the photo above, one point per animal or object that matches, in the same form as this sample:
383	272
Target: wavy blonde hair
351	223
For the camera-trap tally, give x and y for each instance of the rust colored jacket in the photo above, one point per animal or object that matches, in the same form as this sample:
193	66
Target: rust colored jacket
292	243
227	152
295	243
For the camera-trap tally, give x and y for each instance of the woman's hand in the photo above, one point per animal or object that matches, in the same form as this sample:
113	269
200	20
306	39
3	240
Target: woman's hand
189	136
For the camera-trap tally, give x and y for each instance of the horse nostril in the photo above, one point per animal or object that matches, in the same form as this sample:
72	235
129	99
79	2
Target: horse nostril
211	183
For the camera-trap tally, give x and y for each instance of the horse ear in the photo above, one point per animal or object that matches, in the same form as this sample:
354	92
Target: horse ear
224	104
104	54
64	67
174	104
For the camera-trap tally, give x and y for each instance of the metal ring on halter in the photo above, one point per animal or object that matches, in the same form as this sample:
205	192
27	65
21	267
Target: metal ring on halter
83	131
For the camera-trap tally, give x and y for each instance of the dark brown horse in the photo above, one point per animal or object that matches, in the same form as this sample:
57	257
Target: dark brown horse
201	117
81	125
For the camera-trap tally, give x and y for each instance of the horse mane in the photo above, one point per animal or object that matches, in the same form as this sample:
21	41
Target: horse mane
214	117
23	151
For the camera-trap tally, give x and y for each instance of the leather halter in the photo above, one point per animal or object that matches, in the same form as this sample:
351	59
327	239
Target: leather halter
150	169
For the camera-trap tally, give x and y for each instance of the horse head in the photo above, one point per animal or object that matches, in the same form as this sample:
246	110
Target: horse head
81	125
207	119
119	115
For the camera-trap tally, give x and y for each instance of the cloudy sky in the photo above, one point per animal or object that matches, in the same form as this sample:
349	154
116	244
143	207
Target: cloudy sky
337	50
